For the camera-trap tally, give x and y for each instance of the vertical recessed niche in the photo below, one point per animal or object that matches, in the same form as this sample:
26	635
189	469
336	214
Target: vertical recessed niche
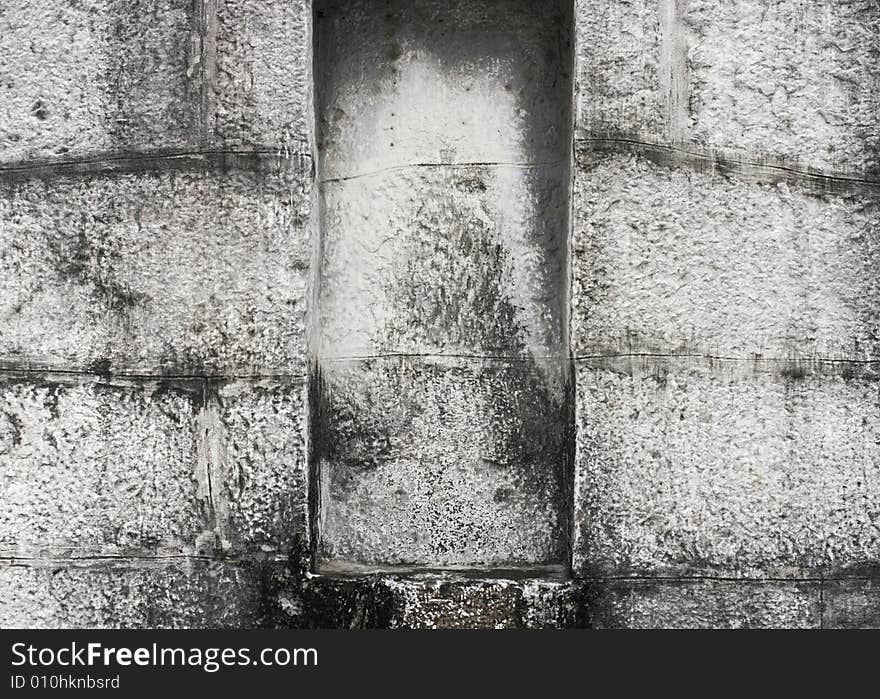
441	399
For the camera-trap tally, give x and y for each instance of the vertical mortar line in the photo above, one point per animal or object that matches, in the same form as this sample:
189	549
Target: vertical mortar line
313	378
313	474
206	26
674	77
205	491
571	392
212	461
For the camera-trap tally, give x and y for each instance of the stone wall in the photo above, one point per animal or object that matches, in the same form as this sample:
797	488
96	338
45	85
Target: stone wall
155	247
219	371
724	311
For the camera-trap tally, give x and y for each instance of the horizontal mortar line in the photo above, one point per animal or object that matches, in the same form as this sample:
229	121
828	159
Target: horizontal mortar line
86	560
438	355
8	370
116	162
725	578
715	157
550	572
722	358
395	168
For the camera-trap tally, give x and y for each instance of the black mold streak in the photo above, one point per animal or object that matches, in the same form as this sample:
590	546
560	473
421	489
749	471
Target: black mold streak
760	169
661	363
90	261
16	426
158	160
317	420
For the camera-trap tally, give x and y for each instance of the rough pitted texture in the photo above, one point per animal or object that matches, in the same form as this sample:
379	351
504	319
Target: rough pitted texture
790	81
261	90
445	202
451	81
667	260
187	594
97	466
150	468
97	75
693	466
442	462
430	602
444	135
262	464
461	259
796	80
618	68
714	604
851	604
170	273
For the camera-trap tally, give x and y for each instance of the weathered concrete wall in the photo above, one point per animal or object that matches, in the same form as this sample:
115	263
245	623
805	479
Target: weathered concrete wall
724	312
433	601
155	252
444	148
115	76
131	273
780	81
211	369
97	76
166	593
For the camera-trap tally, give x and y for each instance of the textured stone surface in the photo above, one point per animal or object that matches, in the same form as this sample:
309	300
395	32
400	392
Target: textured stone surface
260	90
667	260
719	604
98	75
851	604
432	602
734	468
442	462
793	82
444	168
618	67
467	259
180	594
261	462
798	81
444	136
96	466
460	81
150	468
172	273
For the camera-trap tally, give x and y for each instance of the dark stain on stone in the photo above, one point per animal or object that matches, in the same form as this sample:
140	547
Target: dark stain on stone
396	602
452	287
793	370
16	425
848	371
39	110
356	423
502	495
89	258
52	399
471	184
100	367
346	604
